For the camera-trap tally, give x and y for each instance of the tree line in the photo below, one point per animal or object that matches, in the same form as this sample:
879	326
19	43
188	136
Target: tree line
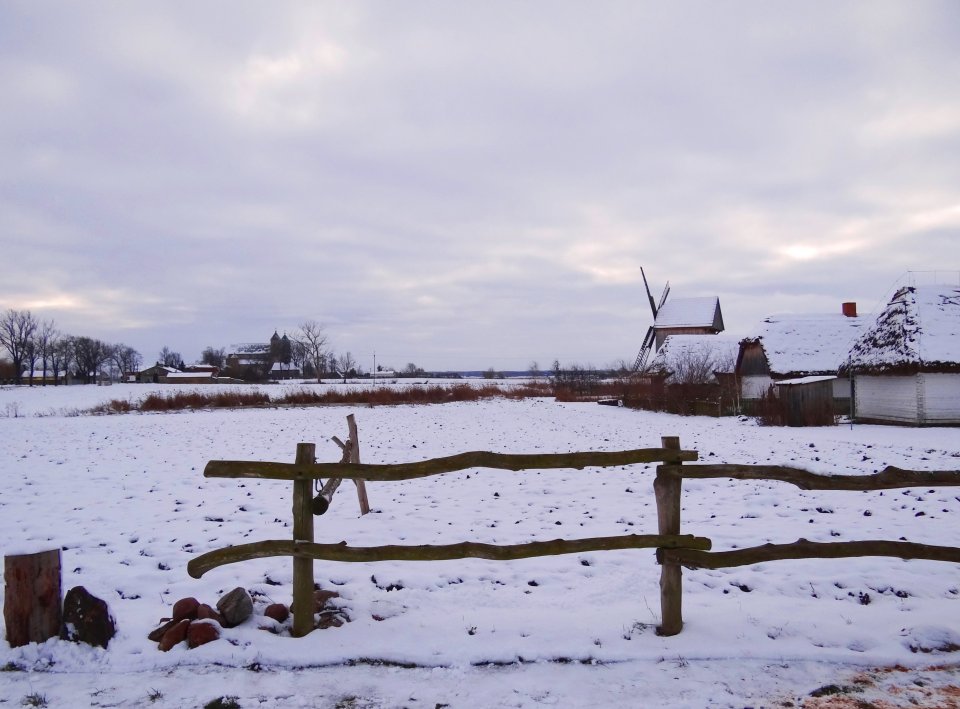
38	347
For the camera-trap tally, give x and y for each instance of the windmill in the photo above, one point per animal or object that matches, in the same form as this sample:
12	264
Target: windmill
641	362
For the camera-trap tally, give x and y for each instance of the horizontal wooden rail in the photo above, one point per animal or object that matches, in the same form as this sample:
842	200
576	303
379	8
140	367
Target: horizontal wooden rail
804	549
888	478
198	566
436	466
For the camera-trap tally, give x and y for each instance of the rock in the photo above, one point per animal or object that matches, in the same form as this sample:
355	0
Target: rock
202	632
328	620
320	598
205	612
185	608
87	619
157	634
277	611
176	635
235	607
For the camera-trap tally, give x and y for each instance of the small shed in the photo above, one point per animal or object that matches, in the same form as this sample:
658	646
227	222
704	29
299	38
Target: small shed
807	401
906	365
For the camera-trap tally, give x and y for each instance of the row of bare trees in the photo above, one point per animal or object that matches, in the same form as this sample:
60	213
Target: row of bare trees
37	346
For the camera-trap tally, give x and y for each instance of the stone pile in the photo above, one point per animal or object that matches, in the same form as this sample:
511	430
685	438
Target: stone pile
199	623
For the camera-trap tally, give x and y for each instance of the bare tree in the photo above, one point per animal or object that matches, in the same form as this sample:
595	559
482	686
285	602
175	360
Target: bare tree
47	335
61	355
345	366
313	337
125	358
169	358
17	328
215	357
90	354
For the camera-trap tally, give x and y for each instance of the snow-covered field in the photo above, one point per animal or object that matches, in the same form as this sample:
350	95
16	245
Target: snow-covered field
125	498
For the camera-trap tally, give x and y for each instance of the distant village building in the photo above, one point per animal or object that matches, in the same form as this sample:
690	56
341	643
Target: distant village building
157	374
793	346
273	359
906	365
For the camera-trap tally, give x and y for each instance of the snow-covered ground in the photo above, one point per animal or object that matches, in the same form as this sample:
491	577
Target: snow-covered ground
125	498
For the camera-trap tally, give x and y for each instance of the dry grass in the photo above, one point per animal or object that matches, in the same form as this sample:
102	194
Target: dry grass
374	396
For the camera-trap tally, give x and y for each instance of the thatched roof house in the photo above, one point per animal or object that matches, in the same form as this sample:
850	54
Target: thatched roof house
798	345
906	365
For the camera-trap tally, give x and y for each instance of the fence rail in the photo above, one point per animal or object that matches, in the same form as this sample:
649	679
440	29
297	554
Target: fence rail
438	552
889	478
674	550
436	466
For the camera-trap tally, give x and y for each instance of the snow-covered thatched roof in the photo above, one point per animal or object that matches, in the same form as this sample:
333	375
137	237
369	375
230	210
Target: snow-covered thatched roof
918	331
694	358
690	312
804	344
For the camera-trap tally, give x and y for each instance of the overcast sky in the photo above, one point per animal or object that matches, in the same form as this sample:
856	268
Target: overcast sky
468	184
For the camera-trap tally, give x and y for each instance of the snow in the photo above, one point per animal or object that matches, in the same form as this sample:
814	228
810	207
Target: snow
173	376
688	312
124	497
806	380
920	327
800	344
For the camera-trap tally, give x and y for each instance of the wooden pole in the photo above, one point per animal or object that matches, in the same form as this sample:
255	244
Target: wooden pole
302	606
355	459
666	487
32	610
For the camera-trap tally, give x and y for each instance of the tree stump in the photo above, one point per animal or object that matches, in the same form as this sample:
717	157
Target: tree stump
31	607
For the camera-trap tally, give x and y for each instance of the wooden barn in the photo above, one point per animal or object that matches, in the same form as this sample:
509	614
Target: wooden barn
792	346
906	365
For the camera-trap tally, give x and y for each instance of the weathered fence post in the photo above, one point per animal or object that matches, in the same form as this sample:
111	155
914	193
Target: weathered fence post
303	604
667	487
355	458
32	610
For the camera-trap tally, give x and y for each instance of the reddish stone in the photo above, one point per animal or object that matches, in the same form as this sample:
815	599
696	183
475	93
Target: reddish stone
202	632
157	634
321	597
206	612
277	611
176	635
185	608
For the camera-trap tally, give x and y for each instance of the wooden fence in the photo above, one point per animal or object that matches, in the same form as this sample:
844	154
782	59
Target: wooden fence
674	550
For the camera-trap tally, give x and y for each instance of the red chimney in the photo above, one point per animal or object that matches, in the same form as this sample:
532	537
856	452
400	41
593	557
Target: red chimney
850	310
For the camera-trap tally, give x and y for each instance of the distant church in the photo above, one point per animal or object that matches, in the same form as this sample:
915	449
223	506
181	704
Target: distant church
273	359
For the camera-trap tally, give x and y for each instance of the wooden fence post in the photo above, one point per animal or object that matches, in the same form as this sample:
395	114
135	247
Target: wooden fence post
32	607
667	487
303	603
355	458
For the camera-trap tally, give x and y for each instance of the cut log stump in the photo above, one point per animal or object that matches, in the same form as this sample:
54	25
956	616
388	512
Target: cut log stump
32	606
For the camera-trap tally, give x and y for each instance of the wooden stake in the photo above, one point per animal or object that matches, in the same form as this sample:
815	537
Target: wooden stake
32	610
302	606
666	487
355	459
